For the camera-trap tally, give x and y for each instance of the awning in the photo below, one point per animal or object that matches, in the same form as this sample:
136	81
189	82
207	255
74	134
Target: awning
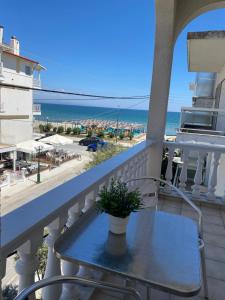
57	140
33	147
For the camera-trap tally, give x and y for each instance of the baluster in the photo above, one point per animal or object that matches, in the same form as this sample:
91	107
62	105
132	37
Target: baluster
28	261
70	291
90	199
183	174
198	174
53	267
213	179
2	272
99	189
169	169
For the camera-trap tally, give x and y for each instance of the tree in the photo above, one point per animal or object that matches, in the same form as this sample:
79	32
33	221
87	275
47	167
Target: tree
101	134
111	135
41	128
121	136
55	129
60	129
104	154
76	131
9	292
89	133
48	127
131	135
68	130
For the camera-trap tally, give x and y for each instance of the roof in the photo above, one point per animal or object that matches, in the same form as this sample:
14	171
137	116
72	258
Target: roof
24	58
56	140
7	148
215	34
32	147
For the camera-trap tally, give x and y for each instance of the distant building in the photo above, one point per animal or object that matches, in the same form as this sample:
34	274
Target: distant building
22	71
204	122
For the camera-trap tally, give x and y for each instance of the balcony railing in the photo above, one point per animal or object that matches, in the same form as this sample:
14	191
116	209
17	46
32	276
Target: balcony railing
36	83
22	229
36	109
203	160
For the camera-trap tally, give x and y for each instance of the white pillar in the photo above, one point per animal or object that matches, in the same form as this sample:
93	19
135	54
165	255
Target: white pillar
27	264
198	174
213	179
53	267
183	174
169	169
163	56
70	291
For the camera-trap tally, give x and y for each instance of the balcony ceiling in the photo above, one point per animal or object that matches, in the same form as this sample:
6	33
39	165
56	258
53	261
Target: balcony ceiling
206	51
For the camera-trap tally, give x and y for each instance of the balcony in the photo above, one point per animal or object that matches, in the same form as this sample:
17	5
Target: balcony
23	228
36	109
36	83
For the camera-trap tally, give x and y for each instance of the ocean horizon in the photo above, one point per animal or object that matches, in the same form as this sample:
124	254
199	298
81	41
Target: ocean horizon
63	112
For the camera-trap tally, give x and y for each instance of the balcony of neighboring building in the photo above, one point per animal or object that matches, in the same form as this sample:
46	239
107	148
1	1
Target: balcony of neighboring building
36	109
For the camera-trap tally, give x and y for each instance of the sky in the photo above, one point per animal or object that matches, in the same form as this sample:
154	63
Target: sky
100	47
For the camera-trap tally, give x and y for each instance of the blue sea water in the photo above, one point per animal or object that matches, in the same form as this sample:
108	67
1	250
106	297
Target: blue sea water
62	112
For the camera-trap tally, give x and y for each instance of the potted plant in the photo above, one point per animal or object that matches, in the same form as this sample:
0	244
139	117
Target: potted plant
118	203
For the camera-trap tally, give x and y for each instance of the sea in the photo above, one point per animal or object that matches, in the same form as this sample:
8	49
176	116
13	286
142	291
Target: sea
62	112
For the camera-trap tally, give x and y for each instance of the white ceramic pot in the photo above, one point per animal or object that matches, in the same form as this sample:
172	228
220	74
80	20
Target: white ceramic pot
118	225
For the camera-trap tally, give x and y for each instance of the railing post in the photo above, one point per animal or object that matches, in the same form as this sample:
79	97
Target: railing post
169	169
213	179
198	174
53	267
69	291
27	264
183	174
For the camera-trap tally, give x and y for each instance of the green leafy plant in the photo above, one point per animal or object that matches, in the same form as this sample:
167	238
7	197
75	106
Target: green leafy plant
89	133
60	129
76	131
131	135
101	134
55	129
117	200
121	136
68	130
111	135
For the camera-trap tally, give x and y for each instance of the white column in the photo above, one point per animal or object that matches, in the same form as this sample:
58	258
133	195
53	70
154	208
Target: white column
183	174
169	169
53	267
163	56
27	264
70	291
213	179
198	174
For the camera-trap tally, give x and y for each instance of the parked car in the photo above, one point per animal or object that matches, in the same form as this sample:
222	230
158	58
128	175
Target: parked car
89	140
95	147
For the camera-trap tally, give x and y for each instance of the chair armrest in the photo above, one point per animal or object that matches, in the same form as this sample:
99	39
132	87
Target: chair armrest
180	193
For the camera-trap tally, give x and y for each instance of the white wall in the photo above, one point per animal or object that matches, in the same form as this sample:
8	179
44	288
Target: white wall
16	101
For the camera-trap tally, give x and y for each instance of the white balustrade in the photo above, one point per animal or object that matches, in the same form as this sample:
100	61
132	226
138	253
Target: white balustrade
213	180
198	174
50	211
27	264
53	266
70	291
169	169
210	168
183	174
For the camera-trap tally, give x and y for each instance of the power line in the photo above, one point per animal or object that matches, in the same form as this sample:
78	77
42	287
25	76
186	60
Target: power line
70	93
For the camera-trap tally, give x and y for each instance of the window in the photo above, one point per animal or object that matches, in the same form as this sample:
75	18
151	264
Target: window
27	70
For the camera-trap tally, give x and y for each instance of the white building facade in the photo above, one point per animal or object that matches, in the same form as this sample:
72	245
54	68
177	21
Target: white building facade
20	71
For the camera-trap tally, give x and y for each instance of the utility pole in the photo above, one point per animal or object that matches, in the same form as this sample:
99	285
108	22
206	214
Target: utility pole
39	169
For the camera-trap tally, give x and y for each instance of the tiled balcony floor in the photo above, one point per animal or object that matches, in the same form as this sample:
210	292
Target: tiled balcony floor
214	237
